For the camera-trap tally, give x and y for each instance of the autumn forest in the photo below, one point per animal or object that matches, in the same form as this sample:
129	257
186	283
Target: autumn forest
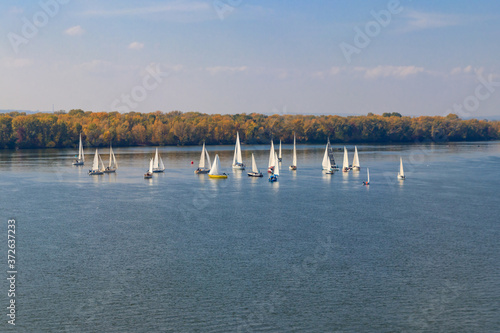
61	129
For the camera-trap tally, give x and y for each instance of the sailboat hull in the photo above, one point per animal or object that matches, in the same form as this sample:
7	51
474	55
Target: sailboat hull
356	168
95	172
148	175
217	176
273	178
401	177
255	174
109	171
158	170
238	166
292	167
78	163
201	171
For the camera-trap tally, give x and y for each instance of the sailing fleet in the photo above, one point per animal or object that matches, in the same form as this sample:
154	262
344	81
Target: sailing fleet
156	165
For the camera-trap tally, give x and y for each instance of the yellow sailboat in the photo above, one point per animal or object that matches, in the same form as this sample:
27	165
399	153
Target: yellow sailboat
215	172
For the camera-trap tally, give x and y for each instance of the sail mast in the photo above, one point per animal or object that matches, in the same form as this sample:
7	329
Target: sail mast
271	155
254	165
201	165
114	160
95	164
81	155
155	162
110	156
346	159
355	162
326	160
276	167
215	167
238	157
209	164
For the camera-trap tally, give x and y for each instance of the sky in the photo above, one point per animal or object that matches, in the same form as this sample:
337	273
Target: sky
240	56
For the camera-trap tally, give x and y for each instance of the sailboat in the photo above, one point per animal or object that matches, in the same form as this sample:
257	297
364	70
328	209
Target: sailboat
333	164
204	165
113	165
345	166
327	164
81	156
279	154
149	173
255	171
368	174
215	171
95	166
294	156
401	173
158	165
270	167
276	173
355	162
237	159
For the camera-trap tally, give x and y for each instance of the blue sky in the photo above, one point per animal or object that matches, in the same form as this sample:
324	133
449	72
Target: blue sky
241	56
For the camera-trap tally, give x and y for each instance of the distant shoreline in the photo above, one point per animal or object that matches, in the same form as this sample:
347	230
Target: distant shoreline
133	129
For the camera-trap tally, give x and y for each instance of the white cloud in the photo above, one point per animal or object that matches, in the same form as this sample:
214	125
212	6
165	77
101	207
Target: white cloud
392	71
16	63
135	46
416	20
467	70
398	72
74	31
184	6
226	69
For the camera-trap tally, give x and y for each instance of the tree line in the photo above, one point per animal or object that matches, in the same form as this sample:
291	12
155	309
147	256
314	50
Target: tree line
62	129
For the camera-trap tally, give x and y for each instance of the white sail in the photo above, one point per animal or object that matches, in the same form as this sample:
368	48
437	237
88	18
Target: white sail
208	163
368	173
81	155
279	154
150	165
401	171
326	160
254	165
346	159
237	159
271	155
102	164
95	164
112	159
162	166
294	156
156	161
276	166
355	162
215	170
201	165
